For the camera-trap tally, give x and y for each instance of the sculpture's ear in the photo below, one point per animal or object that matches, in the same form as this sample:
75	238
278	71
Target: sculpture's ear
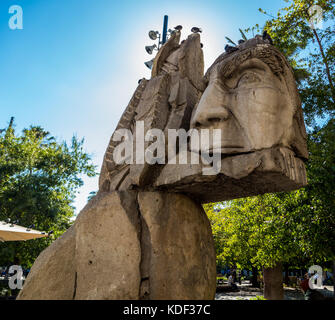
171	45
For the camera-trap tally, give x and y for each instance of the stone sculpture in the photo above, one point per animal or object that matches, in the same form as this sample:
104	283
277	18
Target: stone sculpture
145	235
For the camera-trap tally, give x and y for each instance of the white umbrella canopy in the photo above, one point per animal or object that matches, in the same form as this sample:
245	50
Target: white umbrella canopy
12	232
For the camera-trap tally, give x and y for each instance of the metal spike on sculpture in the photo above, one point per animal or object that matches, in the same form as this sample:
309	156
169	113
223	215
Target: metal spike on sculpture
145	234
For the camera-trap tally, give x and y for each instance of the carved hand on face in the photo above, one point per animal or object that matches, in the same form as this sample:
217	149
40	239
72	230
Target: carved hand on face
251	107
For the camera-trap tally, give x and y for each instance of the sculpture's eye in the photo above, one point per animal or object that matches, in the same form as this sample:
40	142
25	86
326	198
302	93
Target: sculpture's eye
249	78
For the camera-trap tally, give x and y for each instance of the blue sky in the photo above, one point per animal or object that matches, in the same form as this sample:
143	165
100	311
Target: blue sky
75	65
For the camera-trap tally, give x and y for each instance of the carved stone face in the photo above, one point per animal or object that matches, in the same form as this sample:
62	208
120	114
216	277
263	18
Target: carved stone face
249	103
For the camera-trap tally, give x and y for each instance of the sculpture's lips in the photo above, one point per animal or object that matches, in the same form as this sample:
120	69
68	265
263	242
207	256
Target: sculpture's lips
224	145
226	149
229	149
232	140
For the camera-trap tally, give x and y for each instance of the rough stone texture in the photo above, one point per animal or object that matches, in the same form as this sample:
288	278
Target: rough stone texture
191	61
110	177
167	49
116	251
153	110
108	251
260	172
53	274
181	262
169	97
97	258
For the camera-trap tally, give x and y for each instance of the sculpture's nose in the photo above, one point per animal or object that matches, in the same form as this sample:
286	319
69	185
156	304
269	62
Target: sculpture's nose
209	115
212	108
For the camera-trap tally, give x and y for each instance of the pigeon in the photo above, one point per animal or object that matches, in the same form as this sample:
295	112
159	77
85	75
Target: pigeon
178	28
266	36
196	30
171	32
230	49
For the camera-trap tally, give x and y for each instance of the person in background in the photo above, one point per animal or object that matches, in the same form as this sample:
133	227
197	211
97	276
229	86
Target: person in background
234	274
231	282
304	285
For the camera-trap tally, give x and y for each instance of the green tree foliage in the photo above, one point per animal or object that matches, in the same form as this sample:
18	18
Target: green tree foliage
318	201
38	181
311	52
256	232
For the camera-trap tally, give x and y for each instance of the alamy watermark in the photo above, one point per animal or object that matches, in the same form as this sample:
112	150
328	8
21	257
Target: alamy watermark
16	280
152	147
316	280
15	21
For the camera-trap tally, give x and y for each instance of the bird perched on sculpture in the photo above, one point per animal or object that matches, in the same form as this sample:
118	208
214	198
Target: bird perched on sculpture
196	30
266	36
230	49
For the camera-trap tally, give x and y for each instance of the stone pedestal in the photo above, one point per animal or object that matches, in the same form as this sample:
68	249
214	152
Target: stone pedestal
129	245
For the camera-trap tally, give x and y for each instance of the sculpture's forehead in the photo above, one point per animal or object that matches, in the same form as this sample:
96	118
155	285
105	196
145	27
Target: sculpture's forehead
226	64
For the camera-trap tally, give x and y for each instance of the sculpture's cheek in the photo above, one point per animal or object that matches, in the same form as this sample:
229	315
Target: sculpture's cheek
258	100
259	111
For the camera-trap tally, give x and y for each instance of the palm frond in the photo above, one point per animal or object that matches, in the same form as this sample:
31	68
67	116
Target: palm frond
243	35
231	41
